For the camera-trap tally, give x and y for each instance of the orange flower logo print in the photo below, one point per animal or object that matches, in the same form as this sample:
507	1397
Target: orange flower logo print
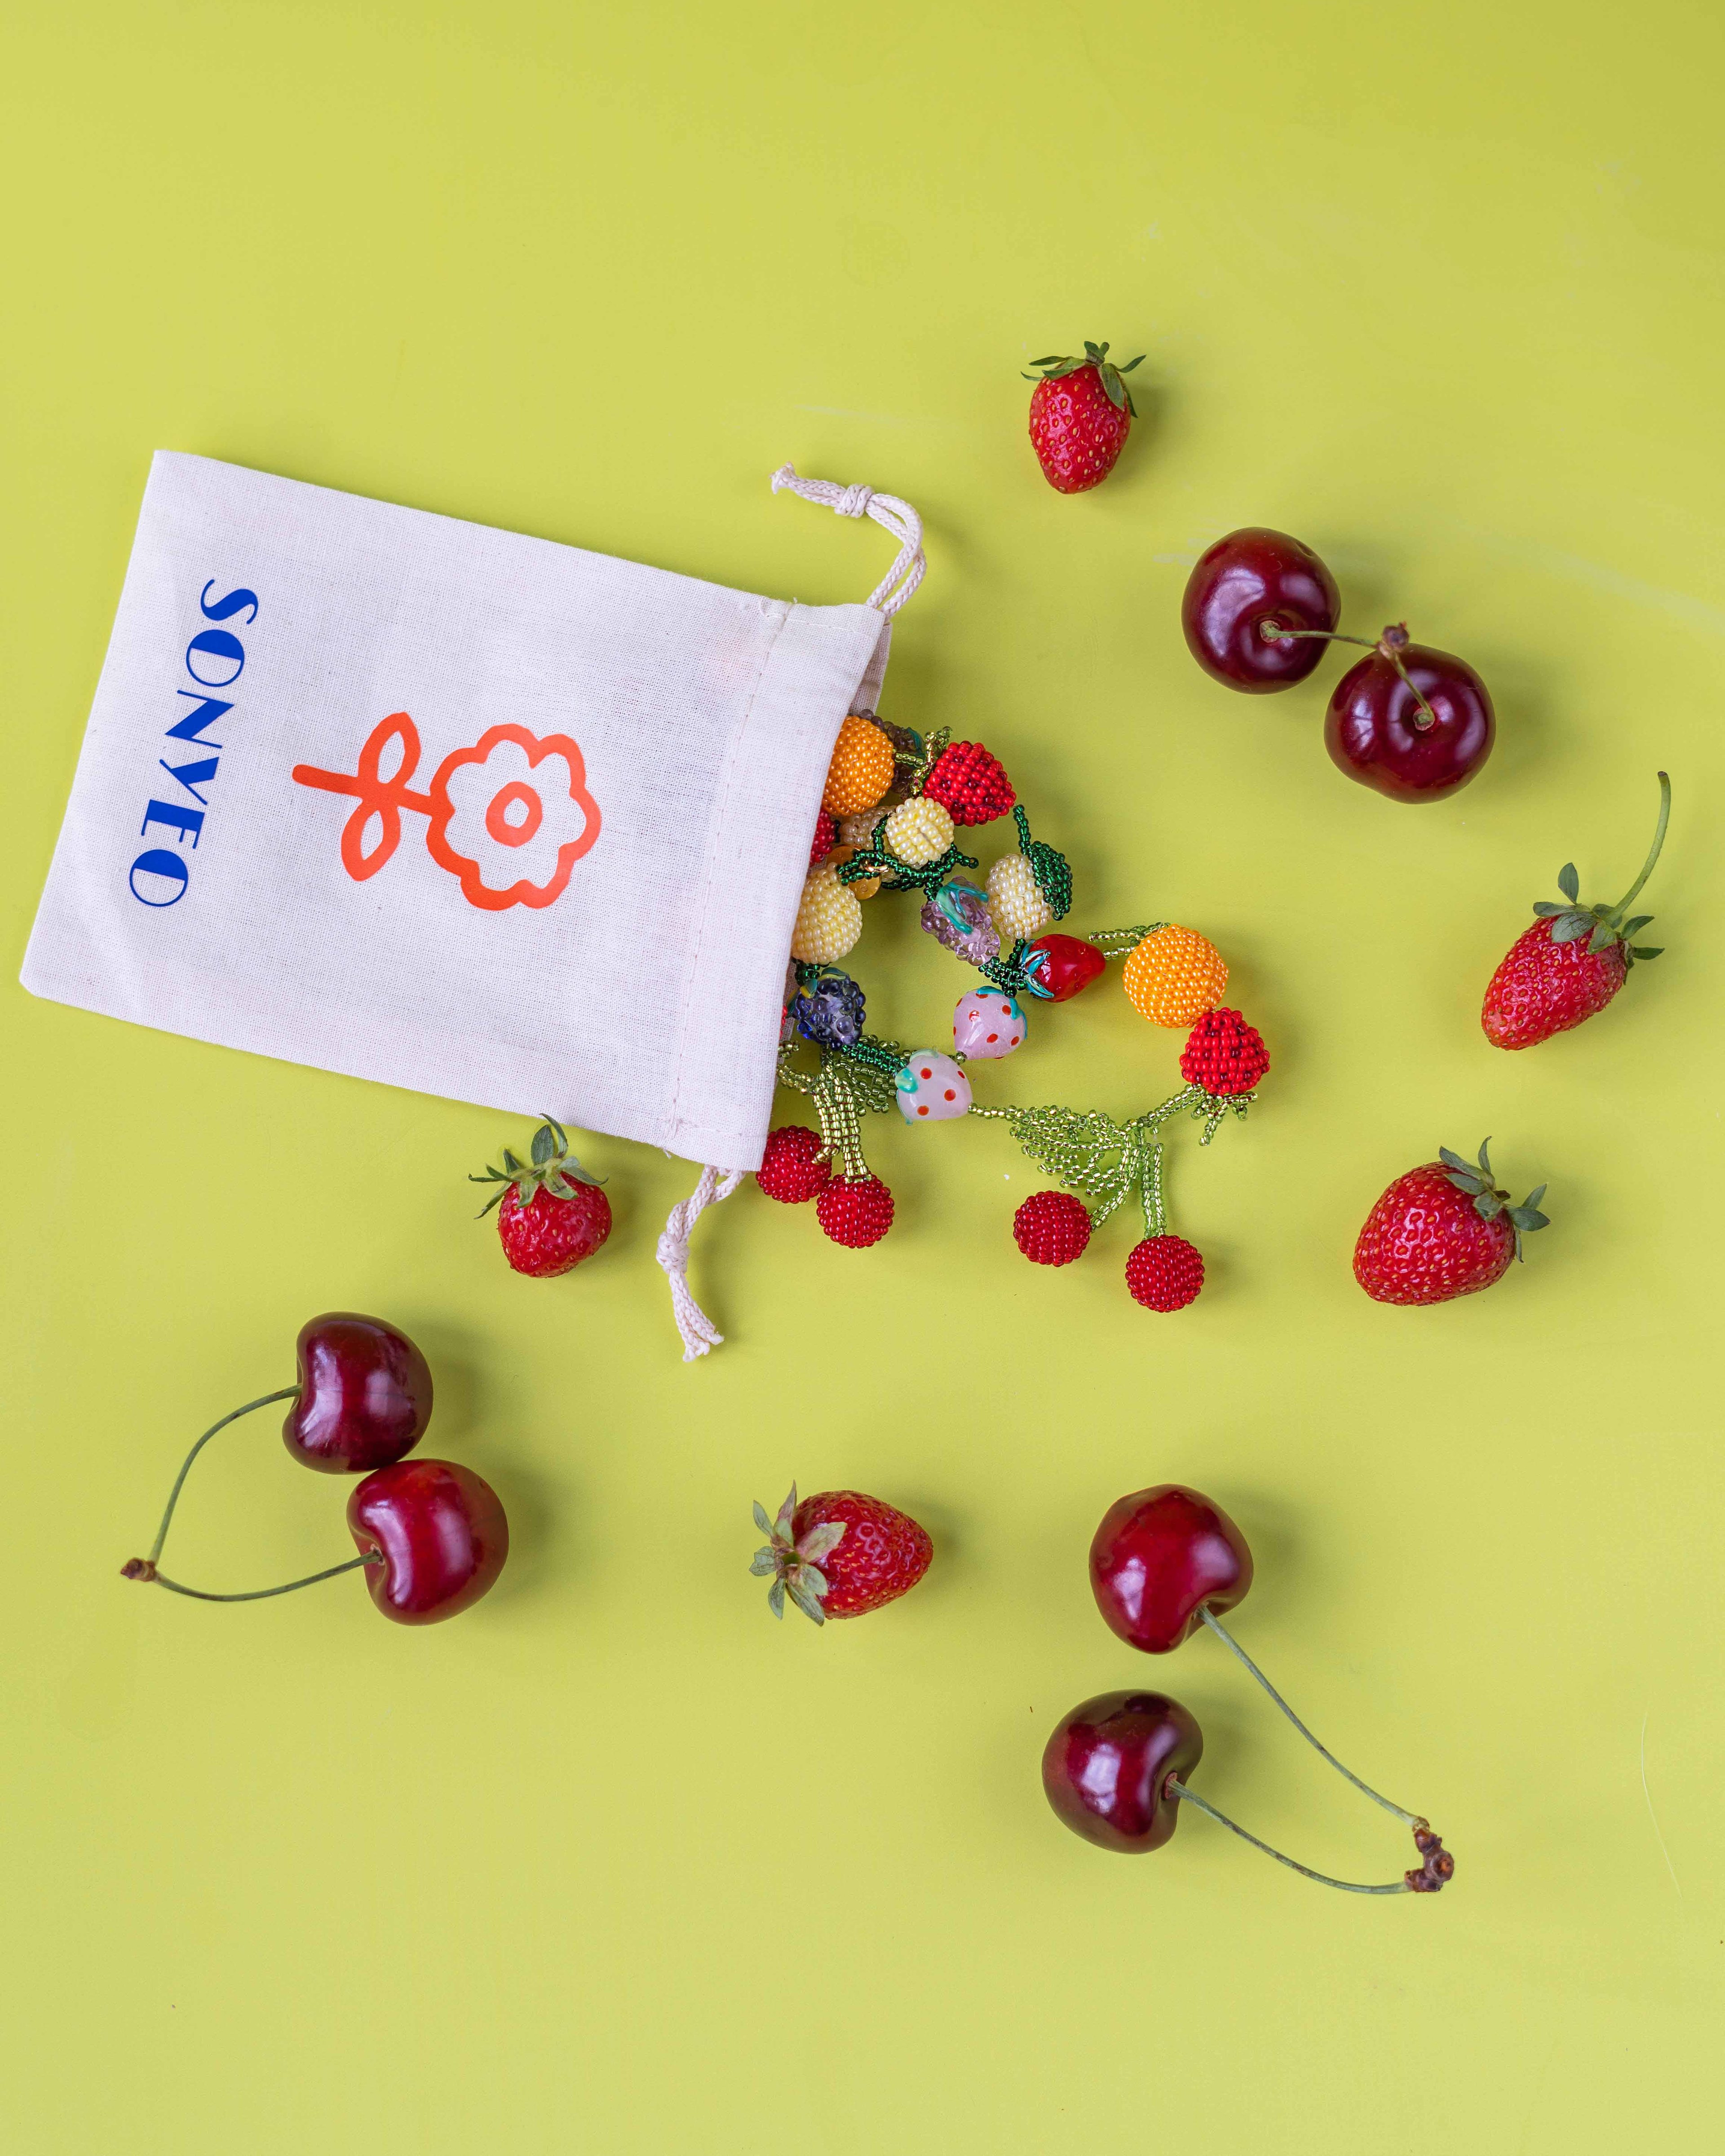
508	818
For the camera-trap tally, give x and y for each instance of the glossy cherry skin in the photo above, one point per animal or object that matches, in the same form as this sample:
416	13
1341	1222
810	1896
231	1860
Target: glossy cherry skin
1373	730
1070	966
442	1533
1159	1558
1108	1766
365	1394
1250	577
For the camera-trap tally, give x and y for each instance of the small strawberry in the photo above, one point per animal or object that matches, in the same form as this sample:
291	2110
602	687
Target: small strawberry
1164	1272
1551	979
1442	1230
854	1210
1051	1228
551	1213
1080	414
1223	1055
826	837
794	1166
970	783
840	1554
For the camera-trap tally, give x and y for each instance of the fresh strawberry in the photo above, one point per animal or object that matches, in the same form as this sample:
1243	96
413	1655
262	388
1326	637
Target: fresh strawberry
1080	414
1164	1272
854	1210
1442	1230
1051	1228
794	1166
1551	979
551	1213
840	1554
970	783
1223	1055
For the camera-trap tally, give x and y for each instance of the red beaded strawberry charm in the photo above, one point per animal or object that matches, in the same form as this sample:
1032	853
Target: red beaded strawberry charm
794	1166
969	783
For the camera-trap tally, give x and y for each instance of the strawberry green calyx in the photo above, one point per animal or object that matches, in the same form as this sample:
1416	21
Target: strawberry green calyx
1488	1201
1051	368
1602	925
795	1567
552	1168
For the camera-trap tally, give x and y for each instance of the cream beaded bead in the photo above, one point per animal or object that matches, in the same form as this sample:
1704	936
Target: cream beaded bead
1015	899
919	831
828	919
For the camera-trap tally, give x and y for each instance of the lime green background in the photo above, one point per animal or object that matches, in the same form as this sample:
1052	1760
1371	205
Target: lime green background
615	1864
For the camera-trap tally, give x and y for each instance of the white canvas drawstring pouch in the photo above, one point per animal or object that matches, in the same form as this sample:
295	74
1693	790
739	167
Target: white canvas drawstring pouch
417	800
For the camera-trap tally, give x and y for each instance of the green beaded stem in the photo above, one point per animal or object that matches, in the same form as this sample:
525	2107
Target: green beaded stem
878	858
1118	942
850	1083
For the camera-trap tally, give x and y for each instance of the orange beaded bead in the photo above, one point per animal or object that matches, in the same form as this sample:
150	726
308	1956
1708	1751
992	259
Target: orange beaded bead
861	769
1174	976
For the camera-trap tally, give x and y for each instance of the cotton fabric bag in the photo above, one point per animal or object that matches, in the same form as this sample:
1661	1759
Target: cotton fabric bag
457	810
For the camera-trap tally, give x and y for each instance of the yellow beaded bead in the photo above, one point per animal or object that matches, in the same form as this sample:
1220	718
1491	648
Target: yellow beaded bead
919	831
861	769
1015	901
1174	976
863	886
828	919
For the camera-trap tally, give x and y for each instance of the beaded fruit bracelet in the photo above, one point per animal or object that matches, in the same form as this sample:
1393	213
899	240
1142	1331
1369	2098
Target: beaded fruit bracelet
891	815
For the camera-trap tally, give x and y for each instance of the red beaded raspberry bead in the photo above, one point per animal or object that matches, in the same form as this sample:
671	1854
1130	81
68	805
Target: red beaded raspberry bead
1164	1273
1051	1228
792	1169
855	1211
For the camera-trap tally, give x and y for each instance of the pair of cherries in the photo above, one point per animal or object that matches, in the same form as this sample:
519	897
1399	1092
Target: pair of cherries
432	1536
1164	1563
1414	722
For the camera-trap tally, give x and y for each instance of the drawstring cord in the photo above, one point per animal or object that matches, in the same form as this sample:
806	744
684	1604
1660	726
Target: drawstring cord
698	1331
888	511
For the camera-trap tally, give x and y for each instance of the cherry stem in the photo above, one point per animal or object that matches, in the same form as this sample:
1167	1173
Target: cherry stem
1273	632
1633	891
287	1392
1345	1886
143	1567
150	1574
1414	1819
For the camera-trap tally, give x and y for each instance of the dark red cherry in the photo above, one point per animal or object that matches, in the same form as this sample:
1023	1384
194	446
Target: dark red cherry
1159	1557
442	1533
1070	965
1253	578
1108	1766
1376	731
365	1394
